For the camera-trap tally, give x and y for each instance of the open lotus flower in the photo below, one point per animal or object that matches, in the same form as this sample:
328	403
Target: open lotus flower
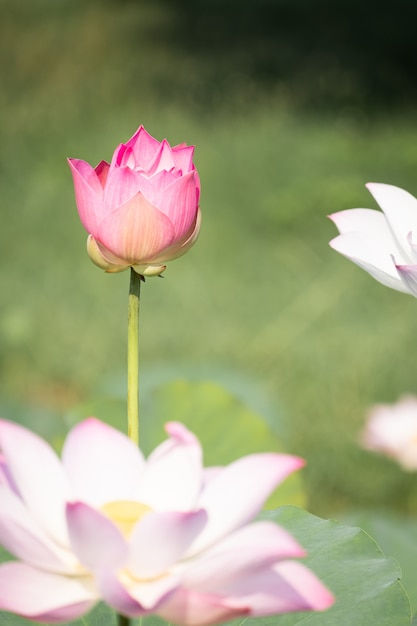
383	244
141	210
160	535
391	429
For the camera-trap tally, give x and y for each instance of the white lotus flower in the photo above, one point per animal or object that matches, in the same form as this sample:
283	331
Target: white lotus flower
384	244
161	535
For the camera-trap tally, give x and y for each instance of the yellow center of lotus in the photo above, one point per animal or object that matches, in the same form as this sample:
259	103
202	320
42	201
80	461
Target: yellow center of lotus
125	514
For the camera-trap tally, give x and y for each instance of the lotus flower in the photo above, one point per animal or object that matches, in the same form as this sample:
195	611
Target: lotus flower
391	429
160	535
383	244
141	210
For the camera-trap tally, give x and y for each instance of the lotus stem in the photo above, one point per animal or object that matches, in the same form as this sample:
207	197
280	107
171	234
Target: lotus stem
133	360
122	620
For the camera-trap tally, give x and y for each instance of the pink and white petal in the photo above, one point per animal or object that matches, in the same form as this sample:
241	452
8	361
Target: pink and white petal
366	252
6	479
237	494
88	194
179	202
95	540
161	539
21	535
400	208
173	475
39	477
256	545
43	596
287	586
115	594
408	275
102	464
151	594
131	598
187	607
136	231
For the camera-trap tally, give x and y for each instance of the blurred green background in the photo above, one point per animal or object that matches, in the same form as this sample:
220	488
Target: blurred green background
293	107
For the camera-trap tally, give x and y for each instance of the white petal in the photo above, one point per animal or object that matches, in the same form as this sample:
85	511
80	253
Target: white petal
400	208
372	223
367	252
102	464
38	476
173	475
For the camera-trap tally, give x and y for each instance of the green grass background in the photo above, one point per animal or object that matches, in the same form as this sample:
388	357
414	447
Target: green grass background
260	298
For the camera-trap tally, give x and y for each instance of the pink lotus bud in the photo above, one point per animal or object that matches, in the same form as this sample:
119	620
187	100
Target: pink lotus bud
391	429
141	210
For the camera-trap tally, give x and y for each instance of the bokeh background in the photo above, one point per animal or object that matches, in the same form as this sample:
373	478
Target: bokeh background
293	106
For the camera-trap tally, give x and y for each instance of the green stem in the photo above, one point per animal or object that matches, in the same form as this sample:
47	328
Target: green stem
122	620
133	359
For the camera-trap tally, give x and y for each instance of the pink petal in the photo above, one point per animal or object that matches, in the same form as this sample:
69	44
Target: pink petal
24	538
136	231
173	475
38	476
101	170
182	246
122	185
179	202
183	156
154	187
160	539
288	586
187	607
366	251
88	194
400	208
94	538
43	596
144	146
236	495
102	464
163	160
